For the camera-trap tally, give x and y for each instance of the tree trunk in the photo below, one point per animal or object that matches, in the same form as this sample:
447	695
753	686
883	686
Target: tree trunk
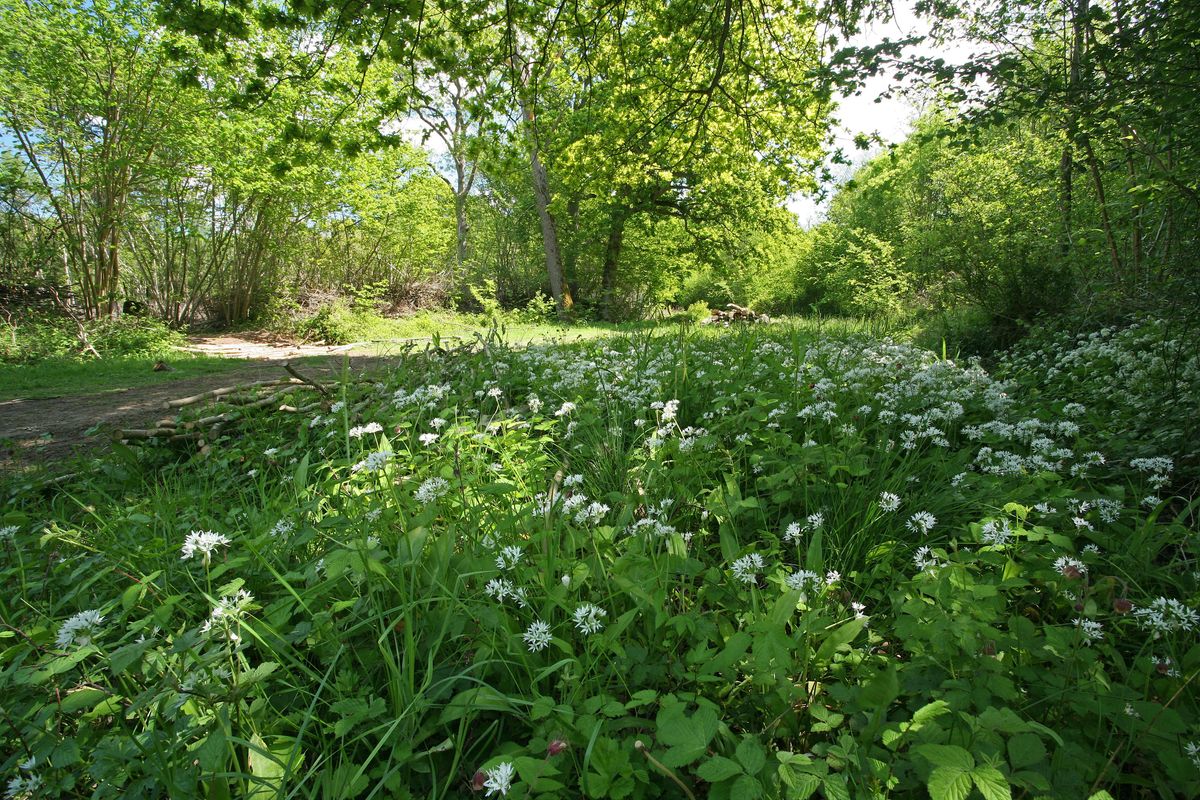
1098	181
541	196
612	258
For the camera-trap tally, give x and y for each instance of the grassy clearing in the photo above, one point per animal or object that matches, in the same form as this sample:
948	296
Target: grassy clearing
763	562
66	377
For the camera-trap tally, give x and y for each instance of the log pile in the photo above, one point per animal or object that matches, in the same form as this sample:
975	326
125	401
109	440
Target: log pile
239	398
735	313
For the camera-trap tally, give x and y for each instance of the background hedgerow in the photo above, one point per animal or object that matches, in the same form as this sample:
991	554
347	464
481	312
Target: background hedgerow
757	562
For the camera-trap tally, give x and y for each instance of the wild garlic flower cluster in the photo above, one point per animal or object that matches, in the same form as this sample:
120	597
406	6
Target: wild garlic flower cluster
203	544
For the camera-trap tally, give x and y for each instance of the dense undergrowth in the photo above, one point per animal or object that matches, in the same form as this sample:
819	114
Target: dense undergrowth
34	337
746	563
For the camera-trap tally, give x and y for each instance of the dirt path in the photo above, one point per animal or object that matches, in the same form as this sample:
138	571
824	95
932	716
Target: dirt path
52	428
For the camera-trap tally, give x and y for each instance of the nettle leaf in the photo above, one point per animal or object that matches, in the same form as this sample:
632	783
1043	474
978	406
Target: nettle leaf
930	711
947	755
991	783
835	787
949	783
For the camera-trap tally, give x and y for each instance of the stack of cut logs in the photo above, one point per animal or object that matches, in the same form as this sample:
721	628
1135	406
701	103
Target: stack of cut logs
735	313
242	397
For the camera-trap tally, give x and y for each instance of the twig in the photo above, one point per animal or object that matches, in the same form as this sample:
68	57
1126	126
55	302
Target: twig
296	374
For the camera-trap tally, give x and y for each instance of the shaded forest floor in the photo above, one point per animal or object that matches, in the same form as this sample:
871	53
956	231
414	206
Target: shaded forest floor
35	429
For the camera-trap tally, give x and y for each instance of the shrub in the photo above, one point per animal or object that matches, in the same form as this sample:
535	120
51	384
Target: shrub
852	272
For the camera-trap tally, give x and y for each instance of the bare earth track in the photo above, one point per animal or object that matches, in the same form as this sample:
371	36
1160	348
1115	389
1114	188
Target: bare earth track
53	428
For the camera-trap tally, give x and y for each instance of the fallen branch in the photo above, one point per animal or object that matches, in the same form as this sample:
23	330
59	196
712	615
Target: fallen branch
296	374
227	390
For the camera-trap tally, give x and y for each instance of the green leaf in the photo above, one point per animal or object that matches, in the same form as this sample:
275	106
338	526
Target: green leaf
800	785
835	787
991	783
881	690
474	700
718	768
81	699
745	788
930	711
751	756
212	751
949	783
687	737
270	766
842	636
947	755
1025	749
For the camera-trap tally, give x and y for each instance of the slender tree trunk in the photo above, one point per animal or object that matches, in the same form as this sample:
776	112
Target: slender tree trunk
1066	166
541	196
612	258
1098	181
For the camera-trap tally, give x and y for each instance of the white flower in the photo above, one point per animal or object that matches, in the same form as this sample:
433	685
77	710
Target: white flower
427	439
997	533
1092	630
336	407
587	618
270	451
535	403
509	557
804	581
228	611
924	559
1070	568
431	490
814	521
564	409
860	611
283	528
80	630
792	534
374	462
537	636
888	502
592	514
832	577
746	568
572	480
495	392
499	779
20	788
358	430
437	423
921	522
204	543
1166	614
669	410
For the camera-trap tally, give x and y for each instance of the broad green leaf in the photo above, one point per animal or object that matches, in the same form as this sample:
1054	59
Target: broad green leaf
718	768
991	783
949	783
1025	749
751	756
947	755
746	788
